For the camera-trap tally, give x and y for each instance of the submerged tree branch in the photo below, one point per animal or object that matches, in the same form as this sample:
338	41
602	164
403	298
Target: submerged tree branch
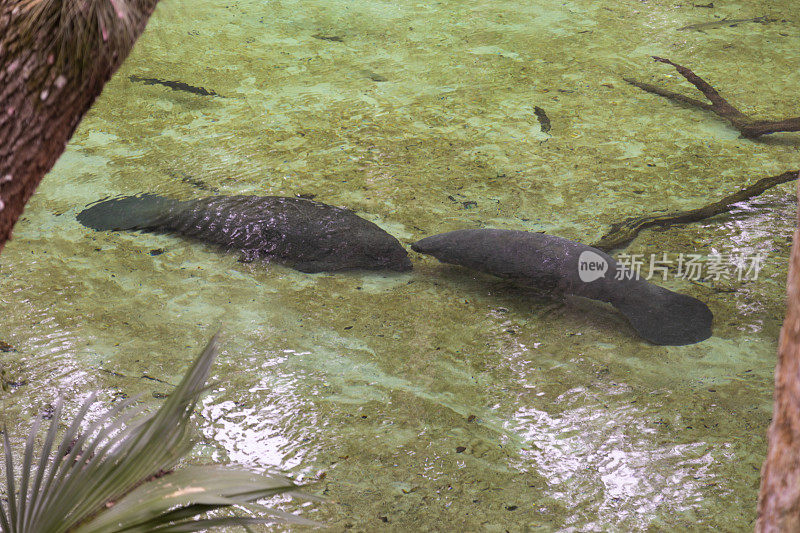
747	126
622	233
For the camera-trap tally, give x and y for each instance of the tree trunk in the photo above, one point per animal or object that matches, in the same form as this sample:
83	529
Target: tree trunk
55	57
779	499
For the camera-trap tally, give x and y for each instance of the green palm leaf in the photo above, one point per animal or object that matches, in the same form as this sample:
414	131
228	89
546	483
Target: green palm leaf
103	479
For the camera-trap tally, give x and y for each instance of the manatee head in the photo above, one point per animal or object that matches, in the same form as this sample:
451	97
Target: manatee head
350	244
377	250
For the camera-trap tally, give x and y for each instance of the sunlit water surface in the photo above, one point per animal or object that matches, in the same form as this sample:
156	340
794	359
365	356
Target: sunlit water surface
437	399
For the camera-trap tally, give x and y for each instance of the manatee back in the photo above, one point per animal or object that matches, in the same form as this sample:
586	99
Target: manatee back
542	261
309	235
556	264
265	223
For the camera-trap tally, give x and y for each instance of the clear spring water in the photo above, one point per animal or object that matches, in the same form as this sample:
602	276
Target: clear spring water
437	399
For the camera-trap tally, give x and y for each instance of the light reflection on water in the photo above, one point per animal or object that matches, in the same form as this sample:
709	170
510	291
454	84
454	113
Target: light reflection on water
249	436
424	372
605	462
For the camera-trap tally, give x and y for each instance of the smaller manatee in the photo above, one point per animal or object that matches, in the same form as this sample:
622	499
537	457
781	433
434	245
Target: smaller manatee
553	264
306	235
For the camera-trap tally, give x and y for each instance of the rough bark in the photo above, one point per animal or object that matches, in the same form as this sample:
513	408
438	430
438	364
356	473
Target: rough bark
621	233
748	126
55	57
779	499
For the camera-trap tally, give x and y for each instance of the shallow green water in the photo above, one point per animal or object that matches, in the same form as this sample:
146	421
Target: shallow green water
437	399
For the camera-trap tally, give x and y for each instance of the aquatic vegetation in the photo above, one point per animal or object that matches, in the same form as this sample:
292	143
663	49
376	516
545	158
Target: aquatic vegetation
701	26
544	120
175	86
116	475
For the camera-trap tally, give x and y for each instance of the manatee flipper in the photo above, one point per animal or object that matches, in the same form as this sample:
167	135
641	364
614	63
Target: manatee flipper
142	211
664	317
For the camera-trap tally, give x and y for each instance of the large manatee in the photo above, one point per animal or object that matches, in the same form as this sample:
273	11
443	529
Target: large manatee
550	263
308	236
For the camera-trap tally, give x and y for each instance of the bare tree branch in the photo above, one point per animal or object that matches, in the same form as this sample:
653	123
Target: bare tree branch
622	233
747	126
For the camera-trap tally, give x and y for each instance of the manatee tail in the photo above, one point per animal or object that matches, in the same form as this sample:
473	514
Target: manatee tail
143	211
664	317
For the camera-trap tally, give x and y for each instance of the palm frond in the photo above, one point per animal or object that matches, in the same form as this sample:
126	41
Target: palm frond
179	497
102	479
